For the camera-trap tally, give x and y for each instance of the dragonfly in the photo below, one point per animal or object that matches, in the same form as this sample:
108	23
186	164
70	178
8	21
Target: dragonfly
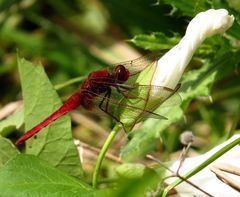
106	89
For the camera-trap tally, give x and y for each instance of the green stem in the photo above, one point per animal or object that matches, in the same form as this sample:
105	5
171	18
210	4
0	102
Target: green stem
104	149
69	82
215	156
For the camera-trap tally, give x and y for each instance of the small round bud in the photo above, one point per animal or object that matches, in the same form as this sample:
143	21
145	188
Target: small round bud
186	137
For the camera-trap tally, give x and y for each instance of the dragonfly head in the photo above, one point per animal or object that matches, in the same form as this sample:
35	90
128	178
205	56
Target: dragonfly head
121	73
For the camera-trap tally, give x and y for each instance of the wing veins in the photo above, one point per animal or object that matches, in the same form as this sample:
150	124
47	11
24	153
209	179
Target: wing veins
117	103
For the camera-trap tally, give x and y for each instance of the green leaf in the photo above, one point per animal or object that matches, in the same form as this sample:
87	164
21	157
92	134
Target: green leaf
26	175
54	143
6	4
12	123
7	150
144	16
155	41
189	8
138	187
199	82
234	30
142	140
22	38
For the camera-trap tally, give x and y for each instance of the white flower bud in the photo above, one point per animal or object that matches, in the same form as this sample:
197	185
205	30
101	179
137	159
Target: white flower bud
205	24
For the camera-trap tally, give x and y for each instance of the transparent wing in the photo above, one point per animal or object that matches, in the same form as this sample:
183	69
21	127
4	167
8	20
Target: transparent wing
128	97
152	97
142	92
137	65
114	105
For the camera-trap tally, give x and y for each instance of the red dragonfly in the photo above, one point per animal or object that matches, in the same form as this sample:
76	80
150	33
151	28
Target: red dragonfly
106	88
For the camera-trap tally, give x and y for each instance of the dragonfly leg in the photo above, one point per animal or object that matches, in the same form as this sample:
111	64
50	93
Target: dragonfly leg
105	109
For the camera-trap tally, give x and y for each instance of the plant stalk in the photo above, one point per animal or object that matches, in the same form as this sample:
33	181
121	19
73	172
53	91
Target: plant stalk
101	156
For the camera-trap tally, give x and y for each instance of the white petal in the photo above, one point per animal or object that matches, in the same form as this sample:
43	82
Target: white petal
206	179
172	65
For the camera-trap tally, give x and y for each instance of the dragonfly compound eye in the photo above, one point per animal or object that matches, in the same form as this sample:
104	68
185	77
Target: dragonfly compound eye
121	73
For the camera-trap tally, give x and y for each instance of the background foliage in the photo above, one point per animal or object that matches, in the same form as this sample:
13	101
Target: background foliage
73	38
